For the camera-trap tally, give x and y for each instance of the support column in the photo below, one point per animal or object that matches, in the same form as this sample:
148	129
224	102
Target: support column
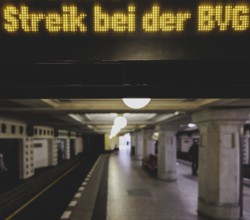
79	144
26	166
147	142
114	143
67	145
50	152
133	143
246	148
219	162
139	145
54	152
167	153
107	146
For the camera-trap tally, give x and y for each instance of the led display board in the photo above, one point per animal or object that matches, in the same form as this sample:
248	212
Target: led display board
87	22
135	18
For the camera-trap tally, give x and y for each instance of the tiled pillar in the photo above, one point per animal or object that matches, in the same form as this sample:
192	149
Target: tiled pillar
219	162
54	152
26	166
133	142
79	145
67	150
139	145
167	154
246	147
147	142
114	142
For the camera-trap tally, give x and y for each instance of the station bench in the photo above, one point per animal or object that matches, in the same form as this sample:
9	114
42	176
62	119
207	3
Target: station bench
150	163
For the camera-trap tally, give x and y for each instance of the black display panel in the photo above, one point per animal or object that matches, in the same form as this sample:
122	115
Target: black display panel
124	30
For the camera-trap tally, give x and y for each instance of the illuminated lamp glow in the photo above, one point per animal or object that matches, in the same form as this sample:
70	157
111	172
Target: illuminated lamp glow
176	113
76	117
136	103
120	121
191	125
115	130
155	136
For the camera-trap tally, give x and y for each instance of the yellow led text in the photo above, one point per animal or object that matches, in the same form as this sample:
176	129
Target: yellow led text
166	22
118	22
69	20
223	17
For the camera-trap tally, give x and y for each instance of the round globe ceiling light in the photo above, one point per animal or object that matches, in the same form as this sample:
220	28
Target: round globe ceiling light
191	125
136	103
120	122
114	130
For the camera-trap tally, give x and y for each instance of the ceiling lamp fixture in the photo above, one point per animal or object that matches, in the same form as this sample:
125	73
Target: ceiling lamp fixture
136	103
120	121
191	125
114	131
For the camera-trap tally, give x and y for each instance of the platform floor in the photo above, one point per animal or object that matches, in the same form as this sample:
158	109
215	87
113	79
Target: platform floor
134	194
118	188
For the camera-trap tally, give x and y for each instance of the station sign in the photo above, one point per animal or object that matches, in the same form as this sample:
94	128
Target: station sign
141	18
124	29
